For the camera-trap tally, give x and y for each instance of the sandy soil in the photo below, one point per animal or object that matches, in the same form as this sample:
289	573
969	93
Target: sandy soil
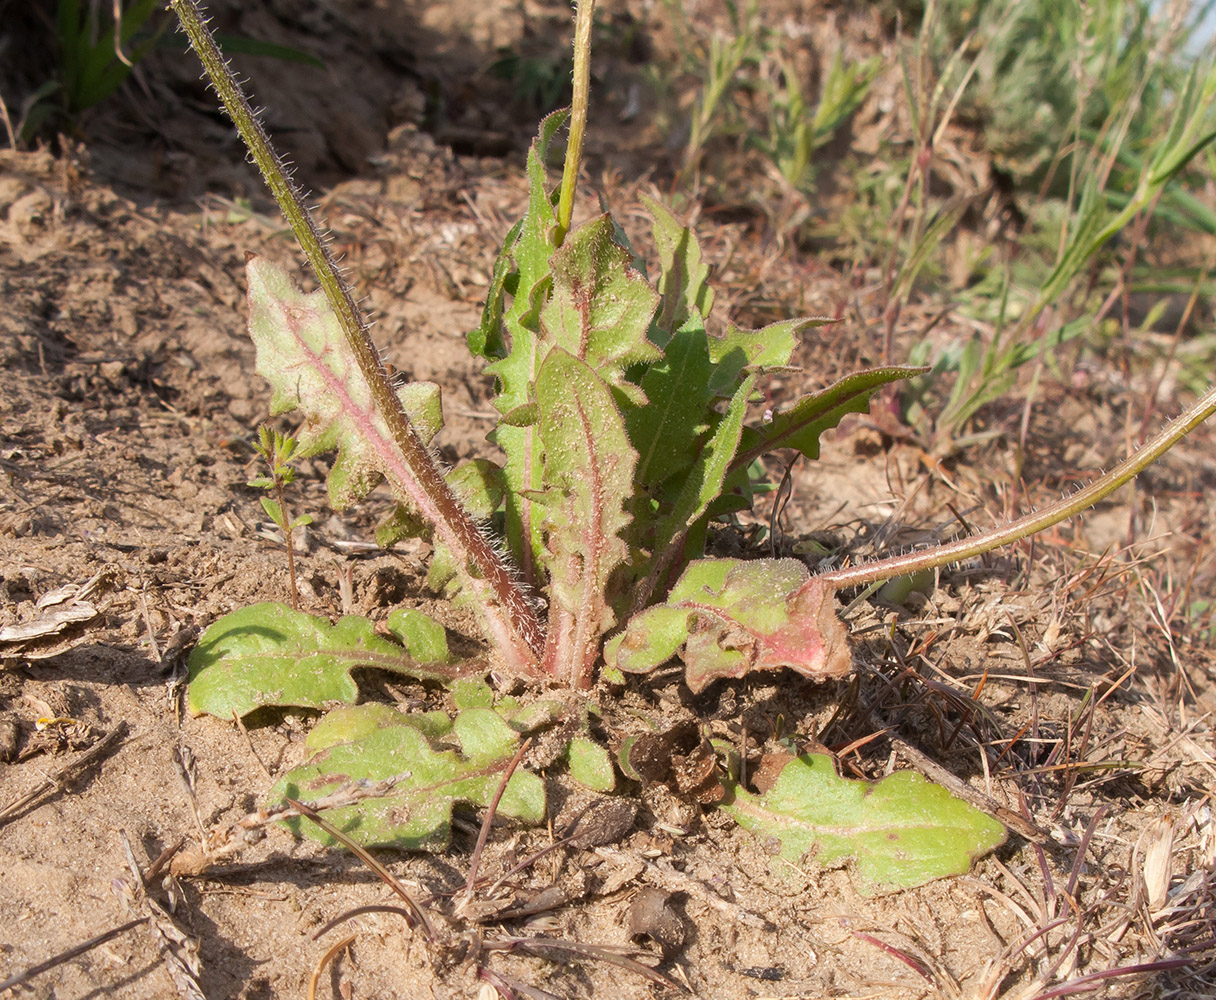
1071	679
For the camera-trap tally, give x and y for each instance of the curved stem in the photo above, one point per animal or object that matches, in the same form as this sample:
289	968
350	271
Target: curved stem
1061	510
509	617
578	117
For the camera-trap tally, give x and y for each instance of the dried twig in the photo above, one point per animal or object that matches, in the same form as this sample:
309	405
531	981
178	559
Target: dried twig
328	957
545	947
71	953
934	771
421	917
344	795
178	950
475	861
57	781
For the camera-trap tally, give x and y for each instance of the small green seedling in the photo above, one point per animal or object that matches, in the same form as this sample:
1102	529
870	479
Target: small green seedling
627	429
278	449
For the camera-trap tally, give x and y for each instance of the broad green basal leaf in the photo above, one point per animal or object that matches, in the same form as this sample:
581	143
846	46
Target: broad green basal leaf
588	474
733	616
417	813
268	654
899	832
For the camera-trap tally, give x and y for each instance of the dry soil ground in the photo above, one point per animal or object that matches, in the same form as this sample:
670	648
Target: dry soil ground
126	418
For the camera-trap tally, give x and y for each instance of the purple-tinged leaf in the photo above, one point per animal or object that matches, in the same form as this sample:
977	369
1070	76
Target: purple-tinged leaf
588	473
732	617
302	353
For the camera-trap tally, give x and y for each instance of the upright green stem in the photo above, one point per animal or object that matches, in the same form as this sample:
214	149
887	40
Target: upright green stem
509	617
578	117
288	527
1005	534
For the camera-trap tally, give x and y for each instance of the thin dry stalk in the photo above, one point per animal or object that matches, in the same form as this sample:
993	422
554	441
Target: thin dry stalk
66	956
328	957
58	781
419	915
475	861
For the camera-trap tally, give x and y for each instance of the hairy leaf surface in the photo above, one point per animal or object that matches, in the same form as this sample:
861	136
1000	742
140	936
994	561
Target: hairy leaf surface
683	274
733	616
417	813
303	354
588	472
516	371
899	832
268	654
600	308
665	430
800	425
771	346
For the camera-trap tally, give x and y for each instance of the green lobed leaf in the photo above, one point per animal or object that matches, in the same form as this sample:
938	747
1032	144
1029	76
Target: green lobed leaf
733	616
600	307
899	832
800	426
770	346
516	370
588	474
425	639
417	813
665	430
303	354
704	481
268	654
683	274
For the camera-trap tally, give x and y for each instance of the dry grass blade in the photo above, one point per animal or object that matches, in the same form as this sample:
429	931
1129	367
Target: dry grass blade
66	956
1084	984
56	781
328	957
475	862
325	928
509	987
544	947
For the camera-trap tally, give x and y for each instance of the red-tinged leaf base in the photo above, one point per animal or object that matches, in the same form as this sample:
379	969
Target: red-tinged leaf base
732	617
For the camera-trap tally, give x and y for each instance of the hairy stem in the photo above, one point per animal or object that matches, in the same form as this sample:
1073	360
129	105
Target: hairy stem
1005	534
509	617
578	117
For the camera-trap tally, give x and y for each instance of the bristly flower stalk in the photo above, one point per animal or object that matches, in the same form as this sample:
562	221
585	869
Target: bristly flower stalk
1040	520
509	616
